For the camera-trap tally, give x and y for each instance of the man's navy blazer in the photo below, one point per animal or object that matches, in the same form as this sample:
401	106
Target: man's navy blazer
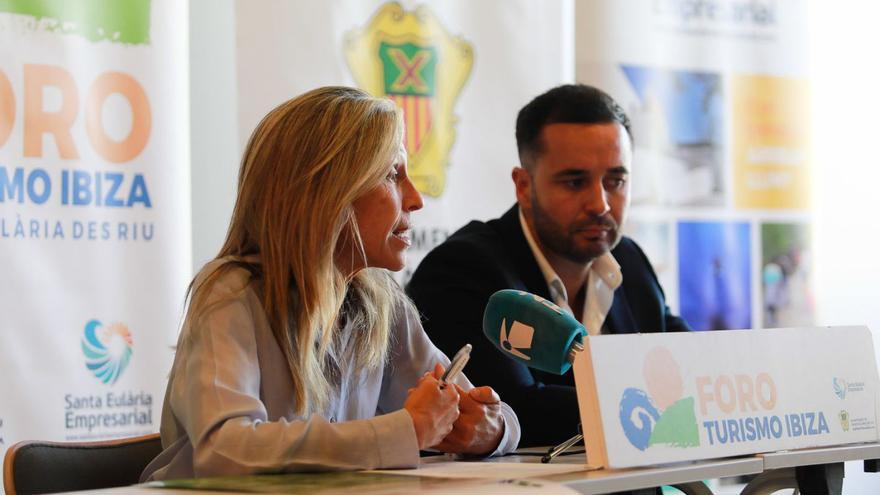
453	283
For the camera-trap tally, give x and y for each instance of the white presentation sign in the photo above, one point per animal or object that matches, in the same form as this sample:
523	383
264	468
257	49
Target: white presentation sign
659	398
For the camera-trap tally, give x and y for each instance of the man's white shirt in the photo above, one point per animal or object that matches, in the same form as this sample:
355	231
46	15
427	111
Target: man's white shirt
603	279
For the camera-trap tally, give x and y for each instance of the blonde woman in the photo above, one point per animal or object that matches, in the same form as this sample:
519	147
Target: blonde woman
298	351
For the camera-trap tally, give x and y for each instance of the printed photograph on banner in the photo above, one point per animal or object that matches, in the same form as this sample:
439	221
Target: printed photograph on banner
678	131
410	57
714	275
770	142
655	240
786	275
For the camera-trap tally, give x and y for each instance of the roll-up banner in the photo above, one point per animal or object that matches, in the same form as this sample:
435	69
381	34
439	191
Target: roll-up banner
718	98
94	214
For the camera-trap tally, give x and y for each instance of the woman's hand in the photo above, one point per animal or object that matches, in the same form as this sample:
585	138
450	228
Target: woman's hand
479	427
433	409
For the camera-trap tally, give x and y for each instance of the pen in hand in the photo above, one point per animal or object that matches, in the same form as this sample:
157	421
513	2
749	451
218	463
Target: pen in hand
458	361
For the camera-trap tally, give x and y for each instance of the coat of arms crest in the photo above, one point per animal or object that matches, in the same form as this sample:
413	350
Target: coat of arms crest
410	58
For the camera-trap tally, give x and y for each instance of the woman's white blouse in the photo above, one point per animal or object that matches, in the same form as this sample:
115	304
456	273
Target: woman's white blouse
229	405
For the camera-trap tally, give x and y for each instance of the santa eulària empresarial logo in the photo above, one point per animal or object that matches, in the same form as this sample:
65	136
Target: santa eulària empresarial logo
107	350
839	385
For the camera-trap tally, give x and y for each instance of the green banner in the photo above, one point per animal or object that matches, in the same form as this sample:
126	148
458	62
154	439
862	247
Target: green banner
95	20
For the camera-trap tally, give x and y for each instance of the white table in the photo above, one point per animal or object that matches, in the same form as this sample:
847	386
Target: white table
780	467
777	467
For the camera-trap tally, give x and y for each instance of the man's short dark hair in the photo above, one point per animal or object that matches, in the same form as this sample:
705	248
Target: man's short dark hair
566	104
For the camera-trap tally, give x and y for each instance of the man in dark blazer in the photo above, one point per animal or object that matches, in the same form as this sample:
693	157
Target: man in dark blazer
561	241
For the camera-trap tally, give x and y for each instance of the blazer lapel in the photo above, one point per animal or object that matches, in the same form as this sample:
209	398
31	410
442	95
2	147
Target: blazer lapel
620	318
521	254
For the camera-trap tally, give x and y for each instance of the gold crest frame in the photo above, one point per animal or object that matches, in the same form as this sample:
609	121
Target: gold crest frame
455	57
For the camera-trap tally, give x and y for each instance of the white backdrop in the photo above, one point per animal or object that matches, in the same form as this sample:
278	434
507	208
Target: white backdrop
519	49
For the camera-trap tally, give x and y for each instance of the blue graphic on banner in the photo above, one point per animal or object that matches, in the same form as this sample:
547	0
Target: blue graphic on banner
73	189
107	350
715	275
691	102
635	401
839	387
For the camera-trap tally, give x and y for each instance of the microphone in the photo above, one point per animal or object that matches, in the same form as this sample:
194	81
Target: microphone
532	330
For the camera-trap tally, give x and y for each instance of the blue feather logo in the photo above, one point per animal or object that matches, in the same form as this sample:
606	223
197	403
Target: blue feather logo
107	350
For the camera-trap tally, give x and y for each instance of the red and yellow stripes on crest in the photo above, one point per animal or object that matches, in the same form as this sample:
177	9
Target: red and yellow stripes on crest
417	116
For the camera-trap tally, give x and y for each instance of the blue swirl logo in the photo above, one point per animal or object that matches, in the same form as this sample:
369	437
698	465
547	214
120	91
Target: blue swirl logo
660	415
107	350
637	417
839	385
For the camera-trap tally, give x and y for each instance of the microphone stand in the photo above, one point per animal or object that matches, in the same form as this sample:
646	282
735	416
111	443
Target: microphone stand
576	347
562	447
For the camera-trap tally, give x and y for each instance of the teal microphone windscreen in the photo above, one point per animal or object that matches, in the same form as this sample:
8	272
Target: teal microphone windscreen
532	330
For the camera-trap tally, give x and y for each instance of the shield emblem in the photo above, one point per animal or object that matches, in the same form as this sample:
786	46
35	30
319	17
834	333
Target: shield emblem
408	71
411	58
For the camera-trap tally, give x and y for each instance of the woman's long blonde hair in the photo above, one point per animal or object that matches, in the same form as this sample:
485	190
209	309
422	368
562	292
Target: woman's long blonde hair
304	166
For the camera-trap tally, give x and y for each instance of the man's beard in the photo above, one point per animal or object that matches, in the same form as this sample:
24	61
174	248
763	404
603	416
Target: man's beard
561	240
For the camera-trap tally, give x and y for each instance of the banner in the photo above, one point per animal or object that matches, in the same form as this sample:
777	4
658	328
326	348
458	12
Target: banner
718	98
94	214
459	70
